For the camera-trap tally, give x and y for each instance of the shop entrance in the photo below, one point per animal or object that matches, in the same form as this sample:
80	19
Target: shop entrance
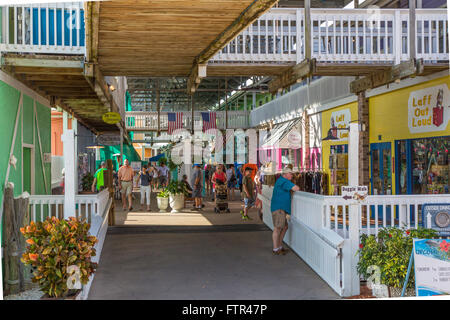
381	180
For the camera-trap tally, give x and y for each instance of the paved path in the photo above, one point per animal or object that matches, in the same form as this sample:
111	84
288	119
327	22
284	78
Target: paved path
201	262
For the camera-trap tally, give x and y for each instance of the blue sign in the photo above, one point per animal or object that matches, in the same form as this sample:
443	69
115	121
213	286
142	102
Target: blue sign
432	266
437	216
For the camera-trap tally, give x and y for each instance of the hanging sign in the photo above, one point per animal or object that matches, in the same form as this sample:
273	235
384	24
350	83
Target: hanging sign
294	140
340	119
47	157
111	117
432	266
354	194
429	109
108	139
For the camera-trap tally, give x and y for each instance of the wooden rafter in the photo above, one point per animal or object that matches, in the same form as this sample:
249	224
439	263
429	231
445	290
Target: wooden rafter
292	75
403	70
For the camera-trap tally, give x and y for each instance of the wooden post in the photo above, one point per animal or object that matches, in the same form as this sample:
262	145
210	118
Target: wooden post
15	213
412	29
364	147
110	185
307	23
305	141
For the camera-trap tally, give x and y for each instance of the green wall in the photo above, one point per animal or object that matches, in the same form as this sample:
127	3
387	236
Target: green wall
9	104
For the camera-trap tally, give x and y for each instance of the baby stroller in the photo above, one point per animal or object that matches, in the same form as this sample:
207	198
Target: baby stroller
221	197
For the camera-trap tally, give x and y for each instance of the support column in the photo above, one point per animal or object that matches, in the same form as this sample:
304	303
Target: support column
110	185
305	141
364	146
307	22
70	172
226	104
121	147
192	116
253	100
158	107
412	29
350	256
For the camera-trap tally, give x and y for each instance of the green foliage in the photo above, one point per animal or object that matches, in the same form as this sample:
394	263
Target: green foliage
172	165
54	245
162	161
176	187
164	193
87	181
390	251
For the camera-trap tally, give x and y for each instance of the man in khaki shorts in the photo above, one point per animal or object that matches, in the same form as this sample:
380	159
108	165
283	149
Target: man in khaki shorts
126	175
280	207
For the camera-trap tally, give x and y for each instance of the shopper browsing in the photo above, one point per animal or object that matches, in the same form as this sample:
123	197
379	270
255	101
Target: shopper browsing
248	192
280	207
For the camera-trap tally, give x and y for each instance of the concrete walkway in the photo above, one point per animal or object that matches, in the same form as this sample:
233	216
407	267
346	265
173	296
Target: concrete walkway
201	262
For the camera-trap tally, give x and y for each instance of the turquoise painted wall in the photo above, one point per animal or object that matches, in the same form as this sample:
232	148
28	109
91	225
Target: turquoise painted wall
9	104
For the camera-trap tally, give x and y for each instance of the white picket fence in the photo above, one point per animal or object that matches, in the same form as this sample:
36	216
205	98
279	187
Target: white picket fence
340	35
319	229
86	206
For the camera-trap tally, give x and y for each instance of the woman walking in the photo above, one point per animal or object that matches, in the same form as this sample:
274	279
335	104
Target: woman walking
219	175
145	180
258	202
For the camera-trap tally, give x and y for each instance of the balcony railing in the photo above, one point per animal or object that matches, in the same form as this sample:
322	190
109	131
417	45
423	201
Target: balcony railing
340	35
43	28
148	121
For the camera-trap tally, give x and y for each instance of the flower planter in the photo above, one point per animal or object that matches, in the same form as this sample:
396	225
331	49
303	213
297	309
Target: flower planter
74	295
163	203
397	292
176	202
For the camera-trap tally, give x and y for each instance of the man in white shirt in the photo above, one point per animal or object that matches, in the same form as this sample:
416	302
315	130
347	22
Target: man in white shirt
163	172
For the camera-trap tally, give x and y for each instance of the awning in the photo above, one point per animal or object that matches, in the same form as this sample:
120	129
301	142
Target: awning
156	158
277	137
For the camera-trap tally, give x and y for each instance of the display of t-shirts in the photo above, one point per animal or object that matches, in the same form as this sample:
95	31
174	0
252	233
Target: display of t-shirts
312	181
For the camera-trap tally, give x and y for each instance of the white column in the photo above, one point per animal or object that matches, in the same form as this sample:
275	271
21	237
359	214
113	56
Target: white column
75	130
70	190
353	180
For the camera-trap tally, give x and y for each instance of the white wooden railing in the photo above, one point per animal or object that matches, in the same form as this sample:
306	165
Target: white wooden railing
340	35
143	120
86	206
319	229
43	28
401	211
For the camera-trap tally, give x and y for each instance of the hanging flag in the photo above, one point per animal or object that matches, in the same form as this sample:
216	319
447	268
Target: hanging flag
209	120
175	121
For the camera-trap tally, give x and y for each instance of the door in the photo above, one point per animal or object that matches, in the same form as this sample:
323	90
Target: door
381	178
381	163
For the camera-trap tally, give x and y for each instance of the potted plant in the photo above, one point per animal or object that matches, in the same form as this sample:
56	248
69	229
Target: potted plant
86	183
60	252
163	200
176	195
390	251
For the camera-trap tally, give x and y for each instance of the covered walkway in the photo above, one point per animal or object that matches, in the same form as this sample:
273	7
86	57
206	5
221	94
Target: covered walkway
201	262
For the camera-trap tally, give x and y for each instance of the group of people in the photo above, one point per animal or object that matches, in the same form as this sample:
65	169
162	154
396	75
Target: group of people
245	177
150	178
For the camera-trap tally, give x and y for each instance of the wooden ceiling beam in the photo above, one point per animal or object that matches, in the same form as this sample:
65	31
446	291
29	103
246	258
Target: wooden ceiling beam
403	70
292	75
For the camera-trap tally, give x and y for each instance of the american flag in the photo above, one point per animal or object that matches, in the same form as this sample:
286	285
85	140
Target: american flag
209	120
175	121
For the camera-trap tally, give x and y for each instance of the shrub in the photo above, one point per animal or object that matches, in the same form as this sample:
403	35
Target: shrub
54	245
176	187
390	251
163	194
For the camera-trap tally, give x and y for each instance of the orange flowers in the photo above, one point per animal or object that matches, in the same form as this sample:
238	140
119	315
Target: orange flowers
30	241
33	256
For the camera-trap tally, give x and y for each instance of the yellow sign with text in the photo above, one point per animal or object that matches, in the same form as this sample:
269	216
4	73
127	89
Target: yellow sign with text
111	117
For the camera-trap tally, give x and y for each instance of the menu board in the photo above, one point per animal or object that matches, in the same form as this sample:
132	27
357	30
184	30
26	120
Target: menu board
432	266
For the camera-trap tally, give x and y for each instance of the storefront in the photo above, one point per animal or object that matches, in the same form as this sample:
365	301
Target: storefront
410	139
335	144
